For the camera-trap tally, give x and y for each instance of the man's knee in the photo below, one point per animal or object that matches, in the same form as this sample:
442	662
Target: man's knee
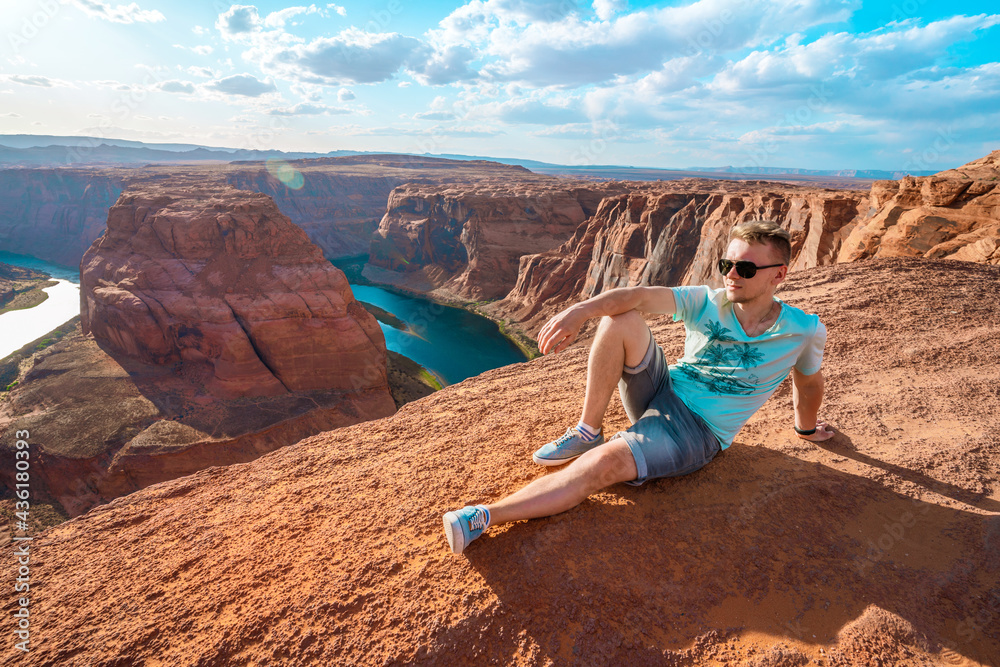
631	329
609	464
629	320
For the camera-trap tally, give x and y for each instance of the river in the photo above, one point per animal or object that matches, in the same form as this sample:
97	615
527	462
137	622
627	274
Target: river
20	327
452	343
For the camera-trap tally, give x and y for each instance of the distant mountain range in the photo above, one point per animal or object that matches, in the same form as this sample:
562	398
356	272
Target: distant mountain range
36	150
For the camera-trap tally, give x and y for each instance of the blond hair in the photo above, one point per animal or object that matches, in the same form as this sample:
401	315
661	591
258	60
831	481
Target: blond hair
765	231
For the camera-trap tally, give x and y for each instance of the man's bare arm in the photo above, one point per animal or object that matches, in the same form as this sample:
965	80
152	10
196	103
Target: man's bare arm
560	332
807	396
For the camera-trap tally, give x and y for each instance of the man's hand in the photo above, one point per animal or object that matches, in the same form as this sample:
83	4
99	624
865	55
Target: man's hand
560	332
823	432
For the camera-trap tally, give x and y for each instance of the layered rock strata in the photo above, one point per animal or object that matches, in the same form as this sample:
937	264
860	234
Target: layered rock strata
55	214
220	282
673	234
339	201
467	240
952	215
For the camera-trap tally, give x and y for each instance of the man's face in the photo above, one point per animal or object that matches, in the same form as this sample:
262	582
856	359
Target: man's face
743	290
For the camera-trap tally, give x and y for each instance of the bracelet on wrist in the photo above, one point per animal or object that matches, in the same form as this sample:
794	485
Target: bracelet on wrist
804	431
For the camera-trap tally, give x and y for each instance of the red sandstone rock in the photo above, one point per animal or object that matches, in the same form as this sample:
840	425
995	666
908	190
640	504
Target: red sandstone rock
222	282
882	546
55	214
673	234
467	240
954	214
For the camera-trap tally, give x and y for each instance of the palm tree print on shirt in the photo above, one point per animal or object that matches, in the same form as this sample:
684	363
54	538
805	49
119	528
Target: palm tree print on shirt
716	355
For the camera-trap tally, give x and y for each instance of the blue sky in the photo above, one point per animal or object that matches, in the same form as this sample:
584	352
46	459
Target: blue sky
819	84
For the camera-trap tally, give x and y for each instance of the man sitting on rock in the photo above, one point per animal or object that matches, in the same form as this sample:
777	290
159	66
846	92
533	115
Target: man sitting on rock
741	343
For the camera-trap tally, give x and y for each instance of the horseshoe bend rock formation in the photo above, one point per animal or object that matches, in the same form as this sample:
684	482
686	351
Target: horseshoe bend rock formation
466	239
882	546
672	234
223	283
954	214
217	332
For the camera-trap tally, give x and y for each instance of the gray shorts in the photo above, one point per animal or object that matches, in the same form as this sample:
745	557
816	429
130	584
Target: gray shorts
666	438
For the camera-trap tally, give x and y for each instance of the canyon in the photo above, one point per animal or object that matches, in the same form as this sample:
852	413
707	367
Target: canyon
881	546
196	336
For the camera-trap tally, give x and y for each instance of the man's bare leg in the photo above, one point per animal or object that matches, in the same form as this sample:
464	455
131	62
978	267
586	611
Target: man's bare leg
602	466
621	340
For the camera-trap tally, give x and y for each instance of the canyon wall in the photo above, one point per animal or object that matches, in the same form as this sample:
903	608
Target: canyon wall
673	234
467	240
55	214
952	215
339	212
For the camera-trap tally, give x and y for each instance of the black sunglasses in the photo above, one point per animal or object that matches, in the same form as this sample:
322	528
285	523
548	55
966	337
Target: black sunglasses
744	269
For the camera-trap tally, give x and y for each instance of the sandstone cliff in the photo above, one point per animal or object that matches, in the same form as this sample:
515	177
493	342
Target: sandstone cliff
339	201
672	234
222	282
954	214
880	547
466	240
55	214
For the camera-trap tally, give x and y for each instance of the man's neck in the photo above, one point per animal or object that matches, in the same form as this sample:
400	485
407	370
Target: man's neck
752	313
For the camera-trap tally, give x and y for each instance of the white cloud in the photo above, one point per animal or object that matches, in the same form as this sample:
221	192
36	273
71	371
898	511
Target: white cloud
434	115
564	49
444	66
202	50
353	56
605	9
337	8
200	71
238	21
34	80
175	86
345	95
306	109
200	31
279	18
130	13
242	84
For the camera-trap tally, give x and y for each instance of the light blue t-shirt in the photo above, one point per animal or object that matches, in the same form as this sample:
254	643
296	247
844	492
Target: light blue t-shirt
725	376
